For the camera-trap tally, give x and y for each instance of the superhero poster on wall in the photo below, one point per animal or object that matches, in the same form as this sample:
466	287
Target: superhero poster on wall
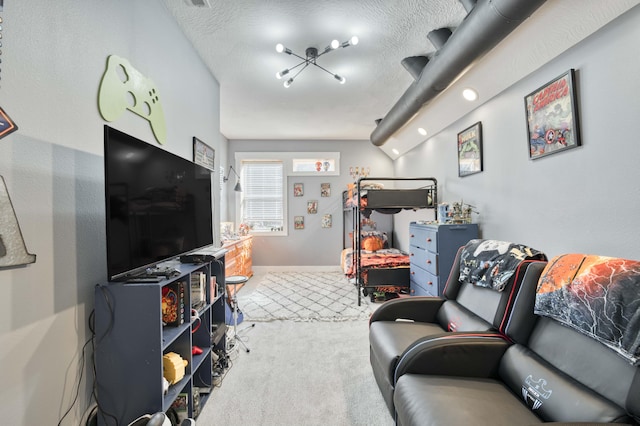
552	117
470	150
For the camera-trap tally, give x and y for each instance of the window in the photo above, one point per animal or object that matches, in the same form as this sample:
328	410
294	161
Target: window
262	197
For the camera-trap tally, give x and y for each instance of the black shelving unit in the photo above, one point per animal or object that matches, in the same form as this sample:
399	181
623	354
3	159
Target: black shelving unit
131	340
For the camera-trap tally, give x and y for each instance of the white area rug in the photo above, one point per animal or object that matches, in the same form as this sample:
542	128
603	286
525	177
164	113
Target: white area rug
304	296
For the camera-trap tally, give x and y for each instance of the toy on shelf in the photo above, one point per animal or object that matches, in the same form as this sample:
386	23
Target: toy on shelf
456	213
173	367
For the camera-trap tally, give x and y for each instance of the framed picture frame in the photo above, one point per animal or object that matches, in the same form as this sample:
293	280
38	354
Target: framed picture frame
325	190
312	206
7	125
203	154
327	221
470	150
298	189
298	222
552	117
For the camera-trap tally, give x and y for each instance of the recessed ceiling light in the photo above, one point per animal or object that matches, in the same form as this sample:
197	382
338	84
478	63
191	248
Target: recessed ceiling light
470	94
395	151
422	131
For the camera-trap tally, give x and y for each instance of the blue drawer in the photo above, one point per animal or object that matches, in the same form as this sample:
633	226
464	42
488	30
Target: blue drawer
424	237
424	279
424	259
417	290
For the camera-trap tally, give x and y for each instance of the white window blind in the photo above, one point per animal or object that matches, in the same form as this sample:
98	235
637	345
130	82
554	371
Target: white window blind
262	197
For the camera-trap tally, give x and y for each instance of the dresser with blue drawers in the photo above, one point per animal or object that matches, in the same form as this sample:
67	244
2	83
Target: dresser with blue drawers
433	249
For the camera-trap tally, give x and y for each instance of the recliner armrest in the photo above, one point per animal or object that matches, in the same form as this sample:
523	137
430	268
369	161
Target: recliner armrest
454	354
421	309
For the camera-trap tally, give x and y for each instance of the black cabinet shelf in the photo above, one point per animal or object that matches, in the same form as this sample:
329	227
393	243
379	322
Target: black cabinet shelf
132	339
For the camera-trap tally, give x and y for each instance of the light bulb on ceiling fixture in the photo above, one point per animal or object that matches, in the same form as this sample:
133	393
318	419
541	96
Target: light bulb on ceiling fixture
342	80
288	82
282	73
422	131
354	40
395	151
280	49
470	94
335	44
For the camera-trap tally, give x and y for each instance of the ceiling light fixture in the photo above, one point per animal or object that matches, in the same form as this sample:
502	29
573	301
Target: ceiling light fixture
422	131
312	56
470	94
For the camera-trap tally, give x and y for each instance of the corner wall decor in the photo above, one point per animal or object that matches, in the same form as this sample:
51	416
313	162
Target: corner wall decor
13	251
552	117
123	87
6	124
203	154
470	150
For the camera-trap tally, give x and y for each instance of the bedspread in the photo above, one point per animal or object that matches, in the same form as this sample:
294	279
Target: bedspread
385	258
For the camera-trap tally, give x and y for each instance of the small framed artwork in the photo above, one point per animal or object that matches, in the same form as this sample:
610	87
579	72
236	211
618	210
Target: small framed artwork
203	154
552	117
298	189
298	222
470	150
6	124
326	221
325	190
312	206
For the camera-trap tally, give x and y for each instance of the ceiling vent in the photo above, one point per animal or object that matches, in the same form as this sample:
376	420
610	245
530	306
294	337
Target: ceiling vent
198	3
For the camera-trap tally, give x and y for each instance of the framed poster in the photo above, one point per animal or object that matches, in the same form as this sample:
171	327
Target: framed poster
203	154
325	190
6	124
470	150
552	117
298	222
312	206
298	189
326	221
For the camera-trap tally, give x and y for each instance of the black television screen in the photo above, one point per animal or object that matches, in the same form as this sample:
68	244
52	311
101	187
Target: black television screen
158	205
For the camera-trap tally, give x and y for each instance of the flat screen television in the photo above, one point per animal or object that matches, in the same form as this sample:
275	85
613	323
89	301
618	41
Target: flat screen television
158	205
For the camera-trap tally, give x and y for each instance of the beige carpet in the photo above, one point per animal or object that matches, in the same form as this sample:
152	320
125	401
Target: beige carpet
299	373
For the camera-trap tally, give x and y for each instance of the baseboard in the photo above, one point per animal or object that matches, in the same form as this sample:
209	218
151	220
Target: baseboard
296	268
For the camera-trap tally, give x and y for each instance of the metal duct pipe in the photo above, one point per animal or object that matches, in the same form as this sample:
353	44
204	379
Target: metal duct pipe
415	65
489	22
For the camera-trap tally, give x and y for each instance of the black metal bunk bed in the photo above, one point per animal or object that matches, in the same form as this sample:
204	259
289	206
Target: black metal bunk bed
386	201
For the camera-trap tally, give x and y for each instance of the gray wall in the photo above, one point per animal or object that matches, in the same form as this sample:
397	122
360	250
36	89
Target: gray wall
314	245
582	200
53	57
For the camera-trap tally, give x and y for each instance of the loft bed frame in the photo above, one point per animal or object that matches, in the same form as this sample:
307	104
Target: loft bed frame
386	201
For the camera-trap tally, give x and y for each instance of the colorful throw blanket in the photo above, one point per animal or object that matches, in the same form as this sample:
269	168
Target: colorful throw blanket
491	263
598	296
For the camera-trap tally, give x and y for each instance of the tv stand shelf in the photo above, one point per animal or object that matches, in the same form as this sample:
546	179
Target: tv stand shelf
132	335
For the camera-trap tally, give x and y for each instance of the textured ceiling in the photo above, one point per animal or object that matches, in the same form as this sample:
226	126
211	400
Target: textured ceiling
237	39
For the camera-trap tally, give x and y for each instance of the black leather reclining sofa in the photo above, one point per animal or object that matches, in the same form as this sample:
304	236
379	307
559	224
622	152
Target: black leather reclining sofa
570	355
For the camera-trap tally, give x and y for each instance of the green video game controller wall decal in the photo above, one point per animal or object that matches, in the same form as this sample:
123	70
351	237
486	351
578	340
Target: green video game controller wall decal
123	87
